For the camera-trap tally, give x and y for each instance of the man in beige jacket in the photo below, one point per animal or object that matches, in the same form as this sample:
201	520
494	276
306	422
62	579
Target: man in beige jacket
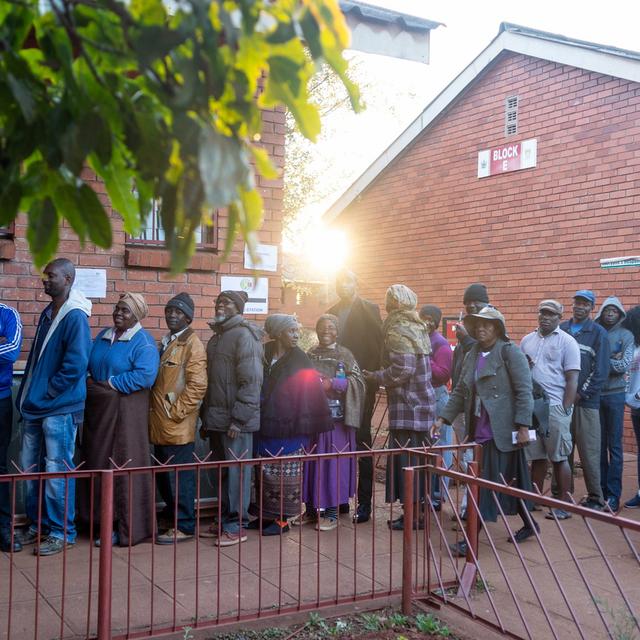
175	401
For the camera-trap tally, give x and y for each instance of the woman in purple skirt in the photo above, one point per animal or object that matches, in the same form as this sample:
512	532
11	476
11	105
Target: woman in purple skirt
330	482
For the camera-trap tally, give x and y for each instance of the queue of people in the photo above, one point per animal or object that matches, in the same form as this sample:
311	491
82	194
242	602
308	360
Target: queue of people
104	402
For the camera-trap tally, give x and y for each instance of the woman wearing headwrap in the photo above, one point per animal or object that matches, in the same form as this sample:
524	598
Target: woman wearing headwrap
293	410
329	482
123	366
406	376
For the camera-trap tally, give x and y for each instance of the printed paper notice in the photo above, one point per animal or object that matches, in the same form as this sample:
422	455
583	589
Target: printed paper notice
256	288
91	282
266	258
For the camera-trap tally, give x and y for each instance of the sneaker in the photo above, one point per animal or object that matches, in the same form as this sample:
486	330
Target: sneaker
633	503
307	517
6	544
228	539
459	549
31	535
276	528
524	533
592	504
327	524
558	514
362	514
613	504
50	546
173	535
212	531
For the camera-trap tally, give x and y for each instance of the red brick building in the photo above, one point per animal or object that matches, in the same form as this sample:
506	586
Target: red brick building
421	215
141	264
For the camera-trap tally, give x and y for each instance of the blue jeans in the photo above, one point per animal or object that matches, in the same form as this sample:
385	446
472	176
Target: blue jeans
446	438
166	483
611	424
48	445
635	421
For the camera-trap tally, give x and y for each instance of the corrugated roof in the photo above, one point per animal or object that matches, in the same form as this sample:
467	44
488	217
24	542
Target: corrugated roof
368	12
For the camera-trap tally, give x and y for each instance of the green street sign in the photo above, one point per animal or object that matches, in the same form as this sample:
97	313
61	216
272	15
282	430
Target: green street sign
615	263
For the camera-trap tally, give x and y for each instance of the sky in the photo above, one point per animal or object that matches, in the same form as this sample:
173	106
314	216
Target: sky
396	91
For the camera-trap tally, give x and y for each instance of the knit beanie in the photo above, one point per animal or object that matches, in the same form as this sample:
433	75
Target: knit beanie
184	302
239	298
476	292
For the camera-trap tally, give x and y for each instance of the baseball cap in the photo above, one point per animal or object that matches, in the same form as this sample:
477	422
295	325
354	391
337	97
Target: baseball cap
551	305
587	294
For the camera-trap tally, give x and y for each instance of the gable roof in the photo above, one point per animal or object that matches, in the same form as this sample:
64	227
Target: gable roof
611	61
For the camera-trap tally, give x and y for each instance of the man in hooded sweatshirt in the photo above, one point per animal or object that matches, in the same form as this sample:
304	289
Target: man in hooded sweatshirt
612	399
51	402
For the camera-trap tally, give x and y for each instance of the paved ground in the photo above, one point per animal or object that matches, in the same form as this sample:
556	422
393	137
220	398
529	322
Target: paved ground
57	597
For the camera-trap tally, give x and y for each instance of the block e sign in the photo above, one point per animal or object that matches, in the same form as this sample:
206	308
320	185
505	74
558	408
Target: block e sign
509	157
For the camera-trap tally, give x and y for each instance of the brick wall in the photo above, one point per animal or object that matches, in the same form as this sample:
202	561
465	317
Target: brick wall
429	222
143	270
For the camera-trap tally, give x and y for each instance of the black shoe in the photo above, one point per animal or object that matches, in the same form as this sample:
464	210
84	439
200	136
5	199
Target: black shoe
50	546
30	535
398	524
436	504
459	549
5	541
254	525
525	532
593	505
344	508
362	514
275	529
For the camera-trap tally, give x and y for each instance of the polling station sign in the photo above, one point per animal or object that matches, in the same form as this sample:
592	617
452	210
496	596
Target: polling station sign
508	157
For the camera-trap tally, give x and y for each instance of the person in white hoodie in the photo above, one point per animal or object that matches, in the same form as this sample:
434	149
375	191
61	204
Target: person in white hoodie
632	397
612	399
51	402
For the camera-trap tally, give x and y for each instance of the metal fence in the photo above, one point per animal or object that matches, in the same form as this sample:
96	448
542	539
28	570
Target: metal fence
575	577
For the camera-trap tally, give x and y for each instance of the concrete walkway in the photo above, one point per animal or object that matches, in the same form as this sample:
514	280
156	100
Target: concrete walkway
159	587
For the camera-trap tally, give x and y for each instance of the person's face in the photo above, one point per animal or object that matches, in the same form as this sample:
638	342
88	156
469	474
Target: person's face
346	287
176	319
610	316
474	306
289	338
327	333
225	309
487	332
547	321
123	317
54	281
430	322
581	309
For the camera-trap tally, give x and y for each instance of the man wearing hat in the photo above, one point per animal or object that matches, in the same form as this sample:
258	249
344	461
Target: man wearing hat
231	409
175	400
554	358
594	370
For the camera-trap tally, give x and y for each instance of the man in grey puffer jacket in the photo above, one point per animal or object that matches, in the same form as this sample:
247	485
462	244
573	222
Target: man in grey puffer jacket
231	409
611	316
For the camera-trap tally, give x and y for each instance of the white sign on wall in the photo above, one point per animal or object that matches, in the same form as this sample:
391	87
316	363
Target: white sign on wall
266	258
256	288
91	282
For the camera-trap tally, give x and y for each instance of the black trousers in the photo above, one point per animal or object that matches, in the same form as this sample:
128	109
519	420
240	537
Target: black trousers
363	442
6	421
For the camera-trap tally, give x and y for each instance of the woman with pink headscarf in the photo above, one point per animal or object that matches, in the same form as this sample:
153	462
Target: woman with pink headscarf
123	366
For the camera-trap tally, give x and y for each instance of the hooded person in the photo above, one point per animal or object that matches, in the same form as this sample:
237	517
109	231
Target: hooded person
612	399
123	366
231	410
632	322
406	376
293	412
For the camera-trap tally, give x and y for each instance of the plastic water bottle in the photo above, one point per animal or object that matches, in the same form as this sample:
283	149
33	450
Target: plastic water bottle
341	372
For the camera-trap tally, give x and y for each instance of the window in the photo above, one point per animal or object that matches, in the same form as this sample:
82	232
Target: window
152	233
8	231
511	116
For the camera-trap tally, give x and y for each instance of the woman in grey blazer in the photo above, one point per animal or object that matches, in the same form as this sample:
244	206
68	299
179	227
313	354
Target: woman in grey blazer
495	394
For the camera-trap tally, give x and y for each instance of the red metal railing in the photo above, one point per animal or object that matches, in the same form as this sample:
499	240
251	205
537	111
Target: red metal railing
575	576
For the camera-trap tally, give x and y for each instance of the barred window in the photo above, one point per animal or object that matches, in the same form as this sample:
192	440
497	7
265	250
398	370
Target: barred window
511	116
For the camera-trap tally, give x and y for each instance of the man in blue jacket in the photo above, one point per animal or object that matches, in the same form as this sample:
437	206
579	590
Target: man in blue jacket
594	371
51	401
10	342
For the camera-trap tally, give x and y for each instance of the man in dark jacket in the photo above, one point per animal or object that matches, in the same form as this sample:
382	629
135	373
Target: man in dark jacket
360	331
51	402
231	409
594	371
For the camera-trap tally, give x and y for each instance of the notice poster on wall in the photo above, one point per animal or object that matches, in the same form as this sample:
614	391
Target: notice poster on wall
91	282
256	288
266	257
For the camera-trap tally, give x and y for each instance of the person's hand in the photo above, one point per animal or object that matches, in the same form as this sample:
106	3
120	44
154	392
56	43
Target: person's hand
618	355
369	376
233	431
434	432
326	383
522	437
3	339
461	332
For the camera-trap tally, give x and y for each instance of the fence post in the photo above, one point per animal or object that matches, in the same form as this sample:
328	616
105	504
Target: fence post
407	536
106	568
472	514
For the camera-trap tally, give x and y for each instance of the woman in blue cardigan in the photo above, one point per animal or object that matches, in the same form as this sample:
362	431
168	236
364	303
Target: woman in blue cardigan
123	366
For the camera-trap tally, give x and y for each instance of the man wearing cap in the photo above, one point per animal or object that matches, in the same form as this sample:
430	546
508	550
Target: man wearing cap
594	370
176	397
554	358
231	409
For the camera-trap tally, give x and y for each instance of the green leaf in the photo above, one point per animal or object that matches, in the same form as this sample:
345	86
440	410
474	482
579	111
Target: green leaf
67	202
149	11
98	223
42	231
9	203
233	216
252	206
263	163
